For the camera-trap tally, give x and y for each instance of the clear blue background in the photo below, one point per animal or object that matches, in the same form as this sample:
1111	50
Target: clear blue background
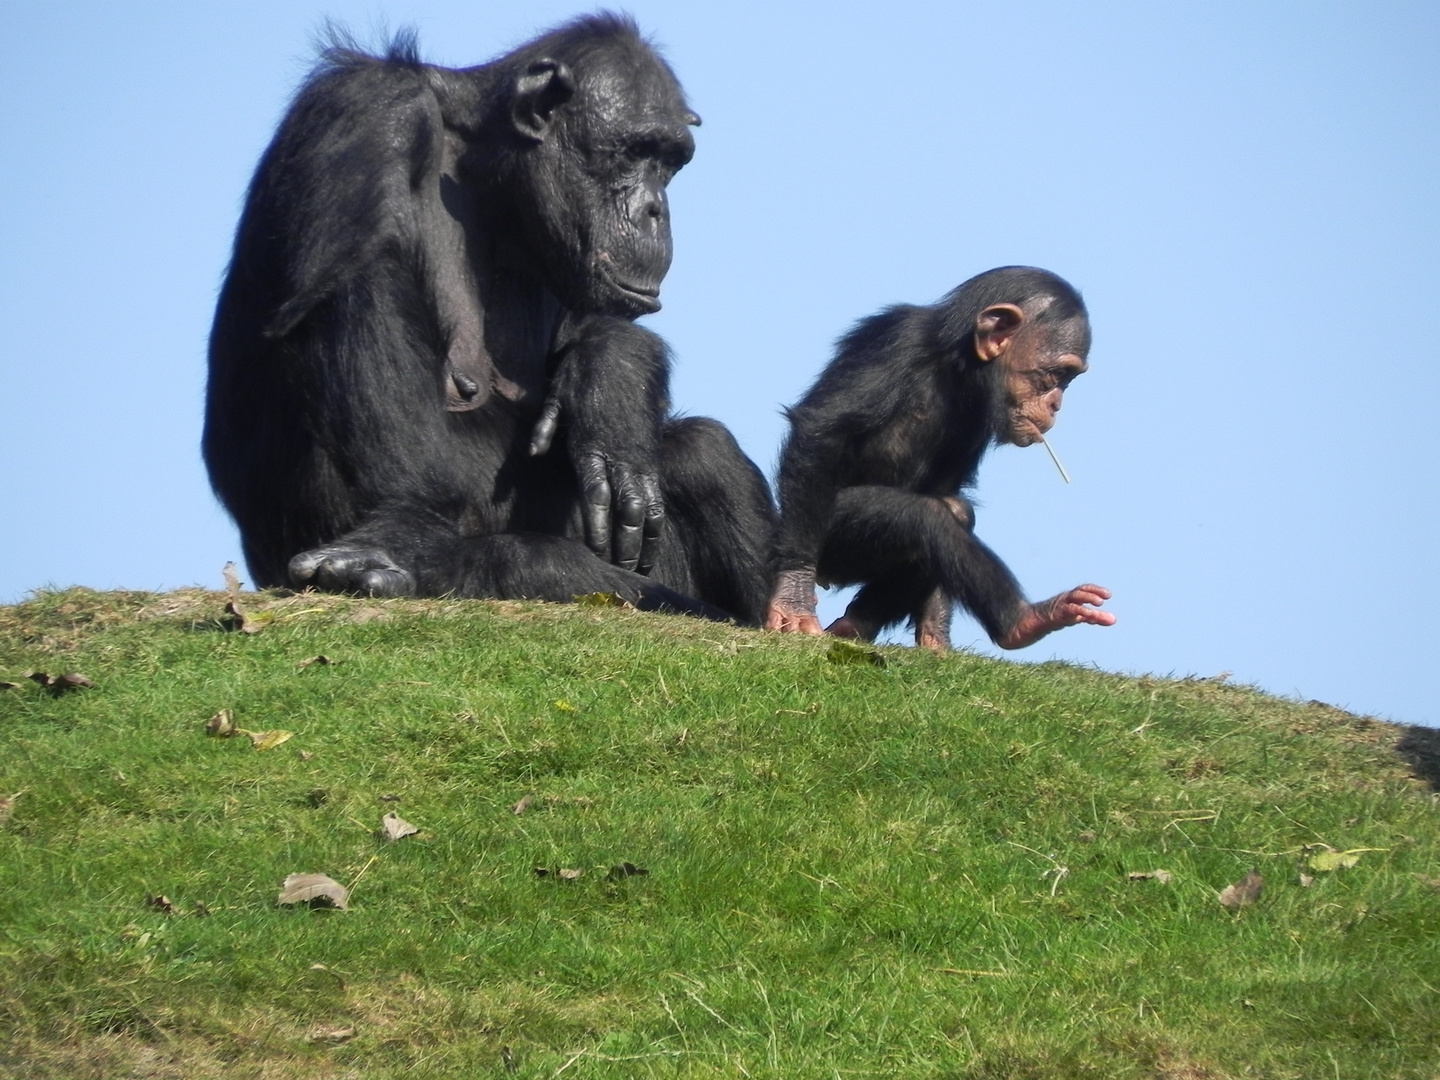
1245	193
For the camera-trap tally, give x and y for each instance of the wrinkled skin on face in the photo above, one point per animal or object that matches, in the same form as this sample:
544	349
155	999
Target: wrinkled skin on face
608	143
1037	362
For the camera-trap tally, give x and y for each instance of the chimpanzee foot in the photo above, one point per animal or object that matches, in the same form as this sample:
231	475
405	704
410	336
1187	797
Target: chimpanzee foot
341	568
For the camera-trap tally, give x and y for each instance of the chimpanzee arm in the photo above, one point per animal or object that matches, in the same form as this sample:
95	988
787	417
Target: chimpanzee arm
1080	605
611	389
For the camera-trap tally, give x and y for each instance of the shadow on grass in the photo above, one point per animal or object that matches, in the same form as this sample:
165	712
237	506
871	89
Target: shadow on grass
1420	748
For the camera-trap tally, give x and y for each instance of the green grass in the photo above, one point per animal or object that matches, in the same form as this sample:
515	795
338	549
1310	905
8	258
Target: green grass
918	870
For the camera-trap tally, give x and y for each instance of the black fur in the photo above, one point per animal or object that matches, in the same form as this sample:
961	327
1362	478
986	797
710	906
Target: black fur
883	443
434	279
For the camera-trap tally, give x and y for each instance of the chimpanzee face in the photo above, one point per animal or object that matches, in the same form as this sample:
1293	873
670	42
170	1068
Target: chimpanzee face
1033	363
598	180
1037	368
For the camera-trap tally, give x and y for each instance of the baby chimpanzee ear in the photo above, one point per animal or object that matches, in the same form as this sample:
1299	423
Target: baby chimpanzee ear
995	328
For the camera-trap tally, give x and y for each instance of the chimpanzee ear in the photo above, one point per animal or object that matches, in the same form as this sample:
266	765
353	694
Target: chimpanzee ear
995	328
544	86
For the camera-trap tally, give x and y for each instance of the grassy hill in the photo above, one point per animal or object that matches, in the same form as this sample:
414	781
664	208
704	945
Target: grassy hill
793	861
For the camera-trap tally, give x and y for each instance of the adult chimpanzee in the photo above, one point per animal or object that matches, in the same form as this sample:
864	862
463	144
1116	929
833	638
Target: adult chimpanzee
434	278
882	444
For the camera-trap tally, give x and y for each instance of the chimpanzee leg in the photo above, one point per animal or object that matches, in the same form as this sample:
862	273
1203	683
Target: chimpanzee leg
882	602
719	519
895	542
537	567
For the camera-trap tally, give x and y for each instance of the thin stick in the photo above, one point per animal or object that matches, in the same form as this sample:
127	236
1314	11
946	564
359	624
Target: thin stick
1063	474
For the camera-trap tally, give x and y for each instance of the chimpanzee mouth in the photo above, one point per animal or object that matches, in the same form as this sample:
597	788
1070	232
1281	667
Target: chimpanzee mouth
645	297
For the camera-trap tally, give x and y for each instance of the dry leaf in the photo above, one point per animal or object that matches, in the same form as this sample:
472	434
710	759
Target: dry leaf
7	806
625	870
161	904
846	652
338	1033
569	875
306	755
1162	876
565	706
267	740
603	600
59	684
1243	892
246	623
318	661
5	684
389	796
1306	881
317	890
232	581
394	827
221	725
523	805
1326	859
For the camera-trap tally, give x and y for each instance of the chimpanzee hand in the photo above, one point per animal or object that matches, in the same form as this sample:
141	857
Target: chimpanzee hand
1067	609
346	568
609	387
631	538
792	603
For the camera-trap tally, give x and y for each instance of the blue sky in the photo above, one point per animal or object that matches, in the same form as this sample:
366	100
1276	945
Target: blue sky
1245	193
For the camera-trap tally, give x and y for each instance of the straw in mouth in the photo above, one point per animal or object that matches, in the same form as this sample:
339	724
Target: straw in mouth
1063	474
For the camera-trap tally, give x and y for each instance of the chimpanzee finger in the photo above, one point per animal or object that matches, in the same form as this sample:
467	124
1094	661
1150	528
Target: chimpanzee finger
386	581
654	524
629	517
595	505
545	427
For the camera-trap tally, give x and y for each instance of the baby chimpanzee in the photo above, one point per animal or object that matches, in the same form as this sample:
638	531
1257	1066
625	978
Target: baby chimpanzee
881	446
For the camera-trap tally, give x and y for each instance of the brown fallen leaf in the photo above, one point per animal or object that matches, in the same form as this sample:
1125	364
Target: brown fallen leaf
162	904
317	890
523	805
847	652
232	581
337	1033
317	661
267	740
625	870
569	875
393	827
221	725
56	685
1162	876
1306	880
244	622
1243	892
7	806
